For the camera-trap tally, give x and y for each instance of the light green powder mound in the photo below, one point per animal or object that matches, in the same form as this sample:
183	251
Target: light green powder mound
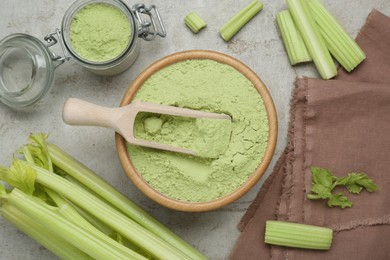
100	32
152	125
209	86
209	138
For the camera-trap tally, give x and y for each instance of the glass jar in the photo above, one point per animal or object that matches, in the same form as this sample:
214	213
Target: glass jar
27	65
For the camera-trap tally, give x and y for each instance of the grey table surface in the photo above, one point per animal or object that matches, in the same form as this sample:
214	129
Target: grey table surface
258	45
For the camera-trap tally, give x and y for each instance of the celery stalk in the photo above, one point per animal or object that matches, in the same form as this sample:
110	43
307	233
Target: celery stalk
292	39
98	229
109	215
71	232
312	38
230	28
297	235
42	234
194	22
345	50
87	177
69	211
72	215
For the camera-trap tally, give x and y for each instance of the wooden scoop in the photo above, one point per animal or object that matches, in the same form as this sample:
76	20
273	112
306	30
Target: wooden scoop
121	119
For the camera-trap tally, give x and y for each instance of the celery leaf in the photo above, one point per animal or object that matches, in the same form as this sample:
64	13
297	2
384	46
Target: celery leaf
20	175
322	191
368	184
355	182
322	176
339	200
37	149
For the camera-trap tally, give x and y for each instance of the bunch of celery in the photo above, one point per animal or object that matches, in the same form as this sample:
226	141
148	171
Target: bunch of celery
323	37
77	215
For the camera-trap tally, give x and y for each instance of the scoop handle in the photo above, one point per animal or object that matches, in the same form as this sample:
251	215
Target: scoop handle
80	112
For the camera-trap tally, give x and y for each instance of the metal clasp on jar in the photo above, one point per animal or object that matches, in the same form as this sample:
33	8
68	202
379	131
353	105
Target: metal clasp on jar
149	29
51	40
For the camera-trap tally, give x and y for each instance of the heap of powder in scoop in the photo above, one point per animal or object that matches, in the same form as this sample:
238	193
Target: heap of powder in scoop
208	86
207	137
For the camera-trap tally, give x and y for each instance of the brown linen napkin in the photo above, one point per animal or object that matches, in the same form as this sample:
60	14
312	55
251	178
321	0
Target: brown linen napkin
342	125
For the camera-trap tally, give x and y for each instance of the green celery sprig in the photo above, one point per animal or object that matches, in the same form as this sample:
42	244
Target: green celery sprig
324	182
292	39
231	27
291	234
345	50
312	37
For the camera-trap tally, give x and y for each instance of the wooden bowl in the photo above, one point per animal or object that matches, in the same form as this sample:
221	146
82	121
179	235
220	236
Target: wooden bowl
153	194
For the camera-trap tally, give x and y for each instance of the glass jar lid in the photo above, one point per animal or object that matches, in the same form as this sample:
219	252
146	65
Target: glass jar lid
26	70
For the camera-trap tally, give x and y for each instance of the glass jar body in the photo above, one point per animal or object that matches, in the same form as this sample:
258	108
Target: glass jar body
26	70
115	65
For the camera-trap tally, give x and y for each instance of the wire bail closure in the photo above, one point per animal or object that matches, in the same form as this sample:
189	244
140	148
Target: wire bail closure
51	40
149	29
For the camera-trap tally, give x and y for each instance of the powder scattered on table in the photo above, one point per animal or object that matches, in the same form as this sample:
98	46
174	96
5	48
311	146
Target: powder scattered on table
208	86
100	32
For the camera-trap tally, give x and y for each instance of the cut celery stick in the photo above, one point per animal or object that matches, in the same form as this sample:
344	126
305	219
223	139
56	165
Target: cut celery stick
297	235
345	50
42	234
292	39
229	29
194	22
312	38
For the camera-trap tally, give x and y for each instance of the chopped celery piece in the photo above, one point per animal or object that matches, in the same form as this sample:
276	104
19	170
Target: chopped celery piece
292	39
345	50
229	29
87	177
312	37
297	235
194	22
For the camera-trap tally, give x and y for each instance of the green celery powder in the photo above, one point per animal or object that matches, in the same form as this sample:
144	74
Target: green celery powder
209	86
100	32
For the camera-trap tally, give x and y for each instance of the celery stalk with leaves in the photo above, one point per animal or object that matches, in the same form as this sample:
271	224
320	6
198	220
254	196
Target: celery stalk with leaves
83	214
